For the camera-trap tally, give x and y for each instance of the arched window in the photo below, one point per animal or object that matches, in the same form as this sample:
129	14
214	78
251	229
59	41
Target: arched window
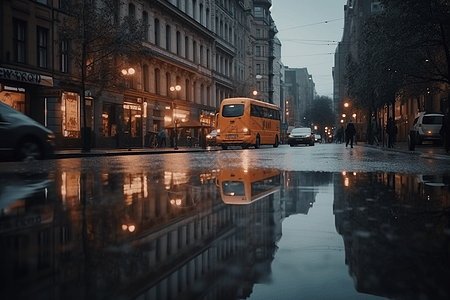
207	59
201	13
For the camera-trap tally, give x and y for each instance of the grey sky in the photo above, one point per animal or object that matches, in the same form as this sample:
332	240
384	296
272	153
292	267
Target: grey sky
309	31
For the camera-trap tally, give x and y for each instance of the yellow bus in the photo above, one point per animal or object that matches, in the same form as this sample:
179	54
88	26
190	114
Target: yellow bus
243	186
248	122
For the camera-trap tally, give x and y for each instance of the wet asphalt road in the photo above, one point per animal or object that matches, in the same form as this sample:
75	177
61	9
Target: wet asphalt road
321	157
322	222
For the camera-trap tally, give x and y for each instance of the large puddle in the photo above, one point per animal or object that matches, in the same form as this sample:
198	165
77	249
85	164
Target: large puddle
224	234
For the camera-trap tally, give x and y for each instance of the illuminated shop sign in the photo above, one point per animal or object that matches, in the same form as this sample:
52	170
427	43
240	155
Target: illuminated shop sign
13	89
25	77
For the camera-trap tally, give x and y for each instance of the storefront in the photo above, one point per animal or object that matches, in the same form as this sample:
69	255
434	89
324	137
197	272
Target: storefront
133	114
20	90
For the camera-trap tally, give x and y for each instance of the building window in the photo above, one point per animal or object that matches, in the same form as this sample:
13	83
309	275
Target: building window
194	9
188	90
145	19
186	47
194	51
259	12
131	11
157	33
178	43
19	40
258	69
64	57
168	38
42	36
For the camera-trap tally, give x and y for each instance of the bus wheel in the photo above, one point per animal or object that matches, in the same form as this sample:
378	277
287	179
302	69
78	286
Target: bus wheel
258	142
224	147
276	142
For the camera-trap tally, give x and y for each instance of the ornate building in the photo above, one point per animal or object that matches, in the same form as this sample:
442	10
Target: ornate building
203	51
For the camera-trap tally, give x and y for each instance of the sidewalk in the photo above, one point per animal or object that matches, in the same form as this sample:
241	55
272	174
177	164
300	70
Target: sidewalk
72	153
425	150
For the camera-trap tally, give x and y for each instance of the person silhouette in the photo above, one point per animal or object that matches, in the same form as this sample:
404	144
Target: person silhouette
349	133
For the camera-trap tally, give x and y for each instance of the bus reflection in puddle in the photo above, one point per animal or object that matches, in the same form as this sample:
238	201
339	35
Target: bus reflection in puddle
242	186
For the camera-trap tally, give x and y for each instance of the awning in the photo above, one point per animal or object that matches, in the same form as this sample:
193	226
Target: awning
187	124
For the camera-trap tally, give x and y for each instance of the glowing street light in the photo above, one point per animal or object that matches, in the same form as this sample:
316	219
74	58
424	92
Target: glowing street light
175	88
129	71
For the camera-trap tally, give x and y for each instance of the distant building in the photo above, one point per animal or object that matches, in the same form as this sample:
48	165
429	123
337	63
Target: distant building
299	89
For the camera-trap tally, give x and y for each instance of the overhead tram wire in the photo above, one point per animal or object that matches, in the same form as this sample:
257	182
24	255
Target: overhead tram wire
312	24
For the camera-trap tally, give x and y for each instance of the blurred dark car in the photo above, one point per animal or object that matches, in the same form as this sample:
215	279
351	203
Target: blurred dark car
301	135
318	138
22	138
211	138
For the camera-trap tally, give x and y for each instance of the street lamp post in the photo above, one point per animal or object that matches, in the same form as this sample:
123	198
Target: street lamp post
175	89
128	72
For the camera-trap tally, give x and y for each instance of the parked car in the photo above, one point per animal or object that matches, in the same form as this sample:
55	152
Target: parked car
317	138
426	128
22	138
301	135
211	138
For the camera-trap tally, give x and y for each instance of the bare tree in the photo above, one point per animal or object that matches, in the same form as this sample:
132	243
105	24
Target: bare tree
100	42
404	51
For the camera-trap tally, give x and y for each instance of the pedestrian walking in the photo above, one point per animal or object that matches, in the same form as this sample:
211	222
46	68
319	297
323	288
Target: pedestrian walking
390	130
349	133
375	132
162	138
340	134
445	131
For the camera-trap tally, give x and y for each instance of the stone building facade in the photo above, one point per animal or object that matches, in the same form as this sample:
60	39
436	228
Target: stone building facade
203	49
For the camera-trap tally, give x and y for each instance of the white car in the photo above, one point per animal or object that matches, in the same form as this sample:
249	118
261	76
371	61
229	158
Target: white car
302	135
211	138
426	128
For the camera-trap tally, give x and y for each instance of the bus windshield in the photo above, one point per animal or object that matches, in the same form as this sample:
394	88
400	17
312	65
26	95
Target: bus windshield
233	110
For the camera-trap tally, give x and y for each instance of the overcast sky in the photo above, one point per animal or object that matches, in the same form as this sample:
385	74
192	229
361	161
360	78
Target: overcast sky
309	31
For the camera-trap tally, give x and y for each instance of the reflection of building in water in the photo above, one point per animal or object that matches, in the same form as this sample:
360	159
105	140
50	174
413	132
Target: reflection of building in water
300	190
395	230
113	234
